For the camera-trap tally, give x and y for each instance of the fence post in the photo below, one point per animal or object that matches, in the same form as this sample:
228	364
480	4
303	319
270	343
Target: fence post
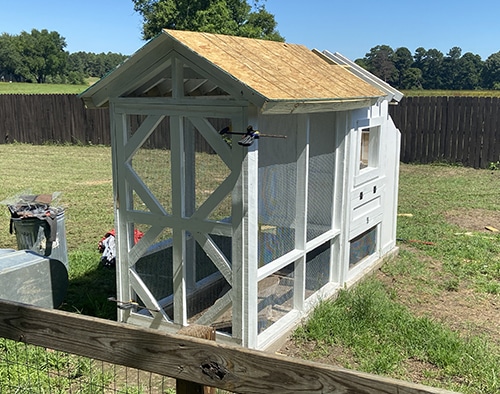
185	386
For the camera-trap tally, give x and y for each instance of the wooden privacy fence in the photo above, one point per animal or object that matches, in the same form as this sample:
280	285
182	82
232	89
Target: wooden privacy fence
200	361
462	130
63	118
453	129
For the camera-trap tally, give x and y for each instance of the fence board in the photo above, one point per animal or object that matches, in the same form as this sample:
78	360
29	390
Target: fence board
495	127
477	132
227	367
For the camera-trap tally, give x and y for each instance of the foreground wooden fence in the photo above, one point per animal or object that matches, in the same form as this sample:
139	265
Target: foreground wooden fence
462	130
196	360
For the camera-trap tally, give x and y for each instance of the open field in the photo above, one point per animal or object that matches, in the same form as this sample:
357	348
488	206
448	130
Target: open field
464	93
446	279
34	88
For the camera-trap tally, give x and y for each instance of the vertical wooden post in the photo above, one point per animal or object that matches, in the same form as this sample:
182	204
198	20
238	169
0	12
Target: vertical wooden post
178	209
301	208
185	386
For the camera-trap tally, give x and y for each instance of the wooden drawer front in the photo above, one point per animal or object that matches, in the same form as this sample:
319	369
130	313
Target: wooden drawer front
364	194
366	216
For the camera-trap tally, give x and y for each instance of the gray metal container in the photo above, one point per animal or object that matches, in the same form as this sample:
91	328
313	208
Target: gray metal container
32	279
30	234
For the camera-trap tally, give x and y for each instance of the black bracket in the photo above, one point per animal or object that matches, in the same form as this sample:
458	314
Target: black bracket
249	136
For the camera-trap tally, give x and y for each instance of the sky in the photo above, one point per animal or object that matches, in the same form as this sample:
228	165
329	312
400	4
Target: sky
349	27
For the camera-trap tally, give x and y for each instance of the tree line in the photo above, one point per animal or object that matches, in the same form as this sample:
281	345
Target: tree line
40	57
431	69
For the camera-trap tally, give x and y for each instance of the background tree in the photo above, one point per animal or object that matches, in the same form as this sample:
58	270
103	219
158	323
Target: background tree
491	72
408	77
449	71
379	61
10	58
431	64
231	17
468	74
42	54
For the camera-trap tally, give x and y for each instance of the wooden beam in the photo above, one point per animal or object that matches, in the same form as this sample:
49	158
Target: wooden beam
201	361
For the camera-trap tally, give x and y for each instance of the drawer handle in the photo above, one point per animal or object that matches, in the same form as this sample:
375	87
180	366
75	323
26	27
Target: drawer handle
374	189
361	195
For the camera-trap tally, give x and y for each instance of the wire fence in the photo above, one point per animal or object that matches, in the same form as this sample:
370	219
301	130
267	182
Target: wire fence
29	369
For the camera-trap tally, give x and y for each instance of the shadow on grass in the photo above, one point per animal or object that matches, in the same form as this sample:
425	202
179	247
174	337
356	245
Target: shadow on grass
90	286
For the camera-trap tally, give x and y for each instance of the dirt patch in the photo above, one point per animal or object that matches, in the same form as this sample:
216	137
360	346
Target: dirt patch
474	219
461	309
332	355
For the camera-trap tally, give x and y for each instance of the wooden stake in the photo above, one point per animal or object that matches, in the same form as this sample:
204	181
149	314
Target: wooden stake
185	386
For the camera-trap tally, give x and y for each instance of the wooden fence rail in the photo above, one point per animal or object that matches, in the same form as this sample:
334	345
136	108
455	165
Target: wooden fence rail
181	357
462	130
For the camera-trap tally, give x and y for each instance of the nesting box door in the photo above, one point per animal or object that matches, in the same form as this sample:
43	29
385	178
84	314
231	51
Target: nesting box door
373	189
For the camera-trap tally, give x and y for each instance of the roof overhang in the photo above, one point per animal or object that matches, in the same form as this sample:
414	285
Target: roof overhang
321	105
392	94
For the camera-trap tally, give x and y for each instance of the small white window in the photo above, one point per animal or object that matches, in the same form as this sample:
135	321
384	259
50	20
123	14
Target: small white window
369	148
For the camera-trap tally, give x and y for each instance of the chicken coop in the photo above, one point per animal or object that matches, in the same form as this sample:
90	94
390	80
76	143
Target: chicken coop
262	174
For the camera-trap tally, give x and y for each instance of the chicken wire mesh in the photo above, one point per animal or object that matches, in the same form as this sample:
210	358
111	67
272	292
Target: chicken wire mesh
29	369
204	173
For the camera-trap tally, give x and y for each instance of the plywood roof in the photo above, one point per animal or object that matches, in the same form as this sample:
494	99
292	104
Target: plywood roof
277	70
276	77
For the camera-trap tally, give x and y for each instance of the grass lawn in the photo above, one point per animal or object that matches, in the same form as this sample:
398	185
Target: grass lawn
429	316
42	88
467	93
34	88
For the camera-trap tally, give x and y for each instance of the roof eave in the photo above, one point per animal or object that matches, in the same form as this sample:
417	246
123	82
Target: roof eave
275	107
337	58
98	94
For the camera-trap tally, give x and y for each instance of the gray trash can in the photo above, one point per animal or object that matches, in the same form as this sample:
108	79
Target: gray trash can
44	235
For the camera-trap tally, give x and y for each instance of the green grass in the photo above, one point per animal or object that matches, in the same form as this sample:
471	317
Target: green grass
383	336
40	88
463	93
45	88
472	260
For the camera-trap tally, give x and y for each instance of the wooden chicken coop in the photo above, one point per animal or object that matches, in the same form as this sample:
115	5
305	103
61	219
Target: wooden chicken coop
296	199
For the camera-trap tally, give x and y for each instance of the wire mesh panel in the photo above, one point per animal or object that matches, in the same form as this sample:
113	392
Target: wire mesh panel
28	369
153	165
318	268
179	185
277	188
320	195
275	296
